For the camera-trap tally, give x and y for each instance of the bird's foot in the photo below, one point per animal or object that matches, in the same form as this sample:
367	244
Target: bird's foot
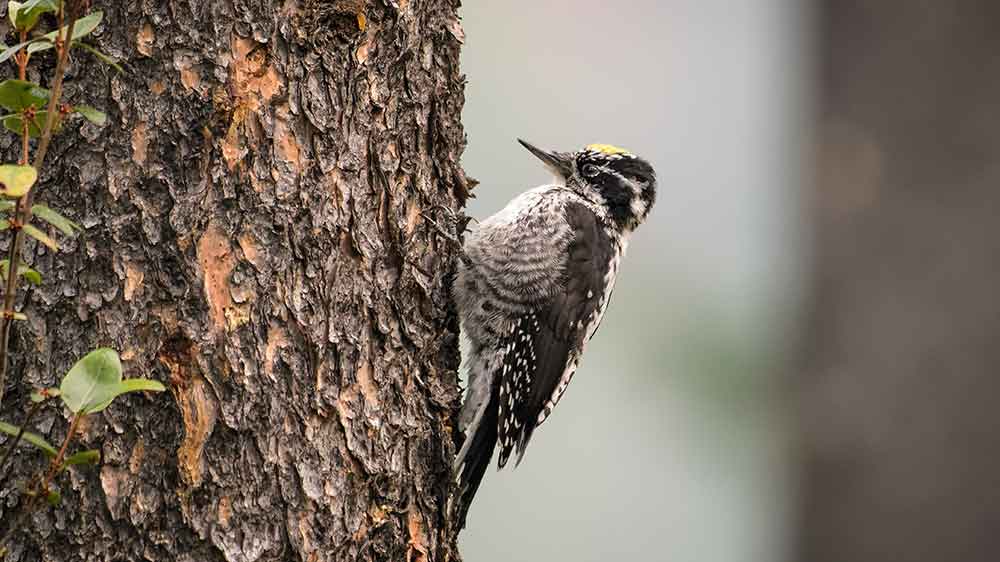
459	223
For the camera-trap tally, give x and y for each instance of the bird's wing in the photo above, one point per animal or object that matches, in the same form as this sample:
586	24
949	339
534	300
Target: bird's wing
543	347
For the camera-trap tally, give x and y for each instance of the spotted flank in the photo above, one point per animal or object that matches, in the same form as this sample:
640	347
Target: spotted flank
608	149
516	375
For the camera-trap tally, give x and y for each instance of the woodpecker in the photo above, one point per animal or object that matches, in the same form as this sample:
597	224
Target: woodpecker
532	286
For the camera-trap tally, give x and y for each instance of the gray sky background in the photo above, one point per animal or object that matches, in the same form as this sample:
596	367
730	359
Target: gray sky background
670	442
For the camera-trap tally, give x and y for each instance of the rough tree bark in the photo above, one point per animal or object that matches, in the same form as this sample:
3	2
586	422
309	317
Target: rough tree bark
255	239
902	366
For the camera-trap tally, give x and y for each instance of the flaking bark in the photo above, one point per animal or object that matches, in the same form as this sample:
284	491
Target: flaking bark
254	238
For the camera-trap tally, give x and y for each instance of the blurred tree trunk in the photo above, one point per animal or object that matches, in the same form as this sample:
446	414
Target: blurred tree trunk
902	363
254	239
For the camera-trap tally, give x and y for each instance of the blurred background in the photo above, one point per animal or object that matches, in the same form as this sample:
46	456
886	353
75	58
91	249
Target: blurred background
800	361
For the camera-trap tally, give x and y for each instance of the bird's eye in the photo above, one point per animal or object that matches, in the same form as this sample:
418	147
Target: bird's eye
589	170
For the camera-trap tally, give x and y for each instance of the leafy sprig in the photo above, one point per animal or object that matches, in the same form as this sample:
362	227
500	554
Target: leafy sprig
34	112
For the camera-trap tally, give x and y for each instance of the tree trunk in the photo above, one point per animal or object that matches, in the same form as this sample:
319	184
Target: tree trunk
255	238
902	374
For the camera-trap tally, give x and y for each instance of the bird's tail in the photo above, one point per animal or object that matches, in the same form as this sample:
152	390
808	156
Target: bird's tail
474	457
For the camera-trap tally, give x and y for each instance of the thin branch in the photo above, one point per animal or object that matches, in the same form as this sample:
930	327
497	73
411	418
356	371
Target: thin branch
57	461
25	137
24	208
41	487
53	109
22	58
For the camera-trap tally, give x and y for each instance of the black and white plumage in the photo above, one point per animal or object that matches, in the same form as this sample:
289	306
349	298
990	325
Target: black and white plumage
532	287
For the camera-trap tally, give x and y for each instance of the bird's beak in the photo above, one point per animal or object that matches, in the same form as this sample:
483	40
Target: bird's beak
561	163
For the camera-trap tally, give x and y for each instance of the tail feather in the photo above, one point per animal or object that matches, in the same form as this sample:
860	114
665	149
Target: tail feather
473	460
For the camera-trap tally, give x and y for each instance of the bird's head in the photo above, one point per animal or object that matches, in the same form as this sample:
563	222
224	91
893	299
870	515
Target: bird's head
614	177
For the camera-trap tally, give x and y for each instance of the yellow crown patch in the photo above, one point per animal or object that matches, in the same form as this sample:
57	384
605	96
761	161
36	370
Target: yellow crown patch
608	149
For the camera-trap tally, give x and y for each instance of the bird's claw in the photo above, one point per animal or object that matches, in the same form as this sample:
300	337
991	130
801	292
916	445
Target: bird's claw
459	222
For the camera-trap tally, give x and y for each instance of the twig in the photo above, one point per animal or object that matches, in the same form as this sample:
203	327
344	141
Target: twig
53	109
22	74
57	460
41	487
22	57
24	208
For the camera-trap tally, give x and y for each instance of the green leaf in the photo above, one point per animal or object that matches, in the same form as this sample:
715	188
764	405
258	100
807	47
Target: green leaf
29	274
106	59
44	394
68	227
53	498
32	231
16	95
16	180
130	385
93	381
82	28
90	456
4	224
91	114
12	50
13	124
12	9
6	205
33	438
138	385
25	15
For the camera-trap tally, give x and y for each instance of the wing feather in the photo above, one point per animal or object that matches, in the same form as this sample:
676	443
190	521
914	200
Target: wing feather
543	348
